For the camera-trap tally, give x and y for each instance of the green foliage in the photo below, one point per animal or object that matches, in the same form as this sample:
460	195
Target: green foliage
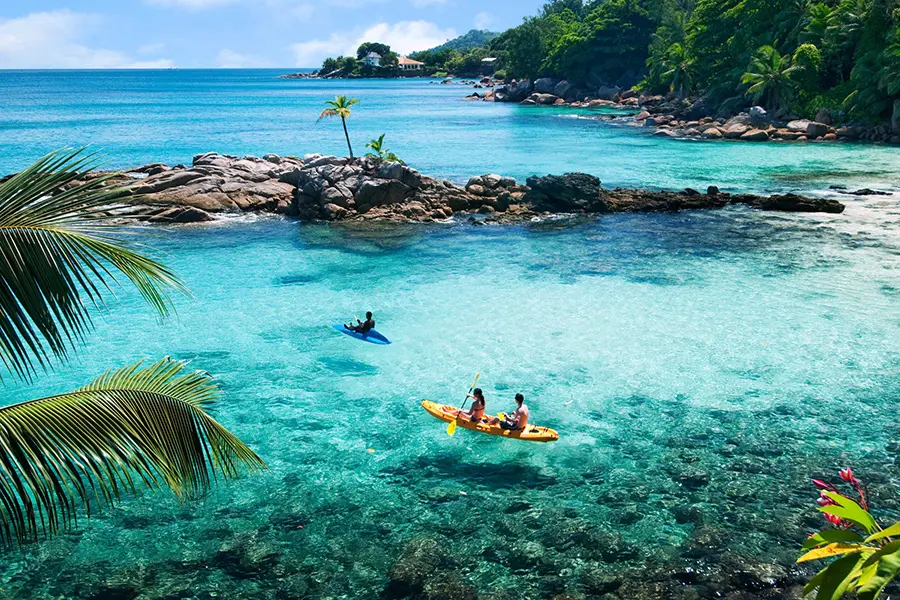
59	255
676	70
808	104
527	47
87	447
346	64
366	47
770	77
866	564
610	45
555	7
808	62
791	54
475	38
379	151
138	425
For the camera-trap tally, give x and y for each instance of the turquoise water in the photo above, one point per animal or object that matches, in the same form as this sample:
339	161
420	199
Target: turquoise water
136	117
700	367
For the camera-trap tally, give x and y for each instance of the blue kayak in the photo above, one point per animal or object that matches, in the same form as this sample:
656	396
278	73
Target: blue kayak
373	337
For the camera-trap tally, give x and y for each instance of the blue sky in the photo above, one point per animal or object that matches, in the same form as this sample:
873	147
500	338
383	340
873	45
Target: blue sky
40	34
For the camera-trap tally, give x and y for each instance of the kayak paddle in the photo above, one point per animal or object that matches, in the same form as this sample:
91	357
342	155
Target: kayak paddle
451	428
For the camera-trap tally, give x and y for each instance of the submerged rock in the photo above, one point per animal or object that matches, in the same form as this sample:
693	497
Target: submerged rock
419	559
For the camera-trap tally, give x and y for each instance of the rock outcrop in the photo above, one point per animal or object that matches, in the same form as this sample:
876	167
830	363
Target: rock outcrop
572	192
330	188
218	183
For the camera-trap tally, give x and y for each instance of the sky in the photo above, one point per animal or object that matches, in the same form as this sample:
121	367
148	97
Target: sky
115	34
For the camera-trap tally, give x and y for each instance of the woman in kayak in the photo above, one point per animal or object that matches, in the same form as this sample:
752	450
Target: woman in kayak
476	413
362	326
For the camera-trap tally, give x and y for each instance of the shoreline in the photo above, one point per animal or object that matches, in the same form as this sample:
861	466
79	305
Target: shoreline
330	188
671	116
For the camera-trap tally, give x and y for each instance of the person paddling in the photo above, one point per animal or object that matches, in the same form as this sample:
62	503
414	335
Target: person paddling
518	420
476	412
362	326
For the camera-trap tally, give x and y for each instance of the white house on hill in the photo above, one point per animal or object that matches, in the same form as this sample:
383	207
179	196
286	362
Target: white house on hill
408	64
373	59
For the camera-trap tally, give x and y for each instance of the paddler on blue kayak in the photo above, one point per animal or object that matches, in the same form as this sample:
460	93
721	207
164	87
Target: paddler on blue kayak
362	326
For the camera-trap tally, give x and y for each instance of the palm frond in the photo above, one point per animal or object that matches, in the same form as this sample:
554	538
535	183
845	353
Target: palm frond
57	258
84	448
328	112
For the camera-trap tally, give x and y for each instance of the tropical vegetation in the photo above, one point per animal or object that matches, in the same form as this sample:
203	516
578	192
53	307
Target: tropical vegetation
132	428
340	107
867	555
474	38
356	66
378	150
789	55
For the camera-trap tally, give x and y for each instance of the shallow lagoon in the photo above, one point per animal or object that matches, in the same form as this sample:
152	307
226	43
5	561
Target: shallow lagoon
700	367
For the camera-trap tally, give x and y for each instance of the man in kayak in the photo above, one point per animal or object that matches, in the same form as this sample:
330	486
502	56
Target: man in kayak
362	326
518	420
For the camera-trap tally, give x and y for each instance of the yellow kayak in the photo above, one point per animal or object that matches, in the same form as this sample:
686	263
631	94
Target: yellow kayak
447	413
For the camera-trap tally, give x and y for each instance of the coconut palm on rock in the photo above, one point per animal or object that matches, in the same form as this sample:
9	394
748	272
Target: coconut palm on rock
59	256
340	107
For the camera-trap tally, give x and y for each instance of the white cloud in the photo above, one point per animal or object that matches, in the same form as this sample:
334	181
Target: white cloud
313	52
483	20
54	39
407	36
190	4
403	37
228	59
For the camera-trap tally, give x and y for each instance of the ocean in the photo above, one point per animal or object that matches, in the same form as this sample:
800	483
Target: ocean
700	367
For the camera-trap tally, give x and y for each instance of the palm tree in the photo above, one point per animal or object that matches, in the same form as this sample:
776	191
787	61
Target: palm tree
817	22
679	67
770	78
58	257
340	107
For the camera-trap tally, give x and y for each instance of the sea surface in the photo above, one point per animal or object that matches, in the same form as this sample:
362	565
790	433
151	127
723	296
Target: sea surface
136	117
700	367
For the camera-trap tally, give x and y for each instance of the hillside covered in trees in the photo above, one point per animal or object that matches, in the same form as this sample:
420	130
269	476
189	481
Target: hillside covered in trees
473	39
788	55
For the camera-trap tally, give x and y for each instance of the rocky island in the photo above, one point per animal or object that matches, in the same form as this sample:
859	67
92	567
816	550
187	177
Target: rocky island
330	188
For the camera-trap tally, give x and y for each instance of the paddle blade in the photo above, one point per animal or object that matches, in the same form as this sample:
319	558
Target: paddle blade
451	428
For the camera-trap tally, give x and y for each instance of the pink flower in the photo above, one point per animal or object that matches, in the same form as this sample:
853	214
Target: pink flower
847	475
834	520
825	501
821	484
